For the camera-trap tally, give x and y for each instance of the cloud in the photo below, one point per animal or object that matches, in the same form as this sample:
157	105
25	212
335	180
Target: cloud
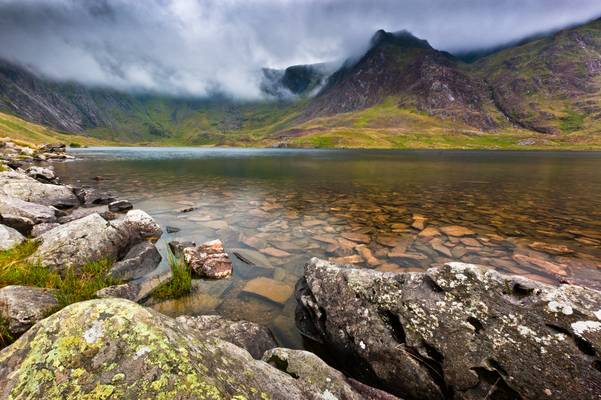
197	47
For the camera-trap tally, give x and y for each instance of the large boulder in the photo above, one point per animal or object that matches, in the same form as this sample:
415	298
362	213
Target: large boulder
255	338
117	349
44	175
458	331
23	215
92	238
9	237
23	306
81	212
21	186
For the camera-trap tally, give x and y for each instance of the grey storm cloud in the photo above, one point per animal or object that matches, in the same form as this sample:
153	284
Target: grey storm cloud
196	47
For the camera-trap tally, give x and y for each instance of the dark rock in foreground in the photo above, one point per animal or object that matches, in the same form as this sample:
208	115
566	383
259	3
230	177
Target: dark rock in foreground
255	338
461	331
117	349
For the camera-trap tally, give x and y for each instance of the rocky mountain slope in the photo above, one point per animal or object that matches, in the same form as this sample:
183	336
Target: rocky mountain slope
400	93
550	85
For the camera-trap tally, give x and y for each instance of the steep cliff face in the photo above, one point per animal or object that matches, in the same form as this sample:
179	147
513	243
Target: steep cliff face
65	107
549	85
420	77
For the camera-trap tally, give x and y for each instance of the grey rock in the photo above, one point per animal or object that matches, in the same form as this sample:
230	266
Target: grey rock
53	148
133	352
41	174
311	371
172	229
81	212
92	238
9	237
91	196
21	186
23	215
255	338
23	306
42	228
459	330
140	260
177	248
120	206
137	290
139	225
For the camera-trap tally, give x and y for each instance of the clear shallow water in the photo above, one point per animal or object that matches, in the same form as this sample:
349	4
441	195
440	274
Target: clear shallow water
534	214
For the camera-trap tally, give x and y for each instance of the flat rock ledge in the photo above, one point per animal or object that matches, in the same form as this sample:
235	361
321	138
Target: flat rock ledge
117	349
460	331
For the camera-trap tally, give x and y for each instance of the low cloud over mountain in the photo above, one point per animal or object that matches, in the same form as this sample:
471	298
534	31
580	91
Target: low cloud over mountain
197	47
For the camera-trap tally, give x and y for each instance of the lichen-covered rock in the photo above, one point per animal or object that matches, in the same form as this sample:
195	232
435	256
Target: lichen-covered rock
21	186
459	330
310	370
255	338
23	215
23	306
209	260
140	260
116	349
9	237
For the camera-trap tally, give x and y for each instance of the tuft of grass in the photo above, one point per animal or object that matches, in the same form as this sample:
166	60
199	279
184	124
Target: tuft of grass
6	337
75	145
181	282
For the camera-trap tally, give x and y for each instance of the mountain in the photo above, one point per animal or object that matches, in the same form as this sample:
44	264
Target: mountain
419	77
400	93
551	85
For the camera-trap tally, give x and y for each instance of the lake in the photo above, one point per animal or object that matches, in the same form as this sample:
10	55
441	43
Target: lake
536	214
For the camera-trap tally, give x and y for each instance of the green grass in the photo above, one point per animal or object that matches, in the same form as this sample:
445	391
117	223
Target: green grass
572	122
71	287
179	285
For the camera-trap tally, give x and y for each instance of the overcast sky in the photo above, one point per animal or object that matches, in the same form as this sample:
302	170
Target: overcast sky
197	46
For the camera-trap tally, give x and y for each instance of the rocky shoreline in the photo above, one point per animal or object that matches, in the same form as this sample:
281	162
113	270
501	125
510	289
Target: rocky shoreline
457	331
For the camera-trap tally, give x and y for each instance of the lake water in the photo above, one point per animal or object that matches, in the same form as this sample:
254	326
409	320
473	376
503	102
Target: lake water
529	213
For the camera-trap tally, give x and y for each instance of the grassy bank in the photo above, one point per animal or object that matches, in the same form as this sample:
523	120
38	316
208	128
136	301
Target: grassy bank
71	286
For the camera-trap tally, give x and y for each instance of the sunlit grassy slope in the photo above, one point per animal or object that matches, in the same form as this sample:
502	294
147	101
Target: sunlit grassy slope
19	129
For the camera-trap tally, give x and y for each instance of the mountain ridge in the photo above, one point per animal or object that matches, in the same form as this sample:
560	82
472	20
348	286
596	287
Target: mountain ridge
401	85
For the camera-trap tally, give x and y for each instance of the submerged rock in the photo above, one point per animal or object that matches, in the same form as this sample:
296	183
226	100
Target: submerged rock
209	260
21	186
117	349
270	289
23	306
140	260
458	331
255	338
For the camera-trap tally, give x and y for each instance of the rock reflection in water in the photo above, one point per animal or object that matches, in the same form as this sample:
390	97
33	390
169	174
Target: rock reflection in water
532	214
